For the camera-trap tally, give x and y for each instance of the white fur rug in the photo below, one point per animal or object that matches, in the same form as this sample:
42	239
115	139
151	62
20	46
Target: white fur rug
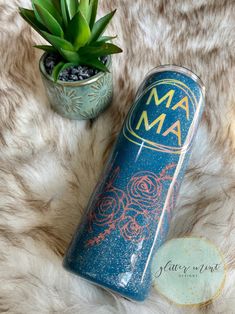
49	165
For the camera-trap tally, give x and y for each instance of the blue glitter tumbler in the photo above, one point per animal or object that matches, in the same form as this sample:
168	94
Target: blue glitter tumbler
128	216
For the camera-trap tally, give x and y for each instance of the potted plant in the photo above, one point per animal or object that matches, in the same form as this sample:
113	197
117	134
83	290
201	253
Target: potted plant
76	66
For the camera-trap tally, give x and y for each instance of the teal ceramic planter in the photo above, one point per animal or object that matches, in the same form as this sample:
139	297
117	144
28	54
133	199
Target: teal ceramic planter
80	100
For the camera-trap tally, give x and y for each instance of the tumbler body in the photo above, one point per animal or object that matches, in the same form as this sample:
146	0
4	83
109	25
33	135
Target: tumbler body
129	213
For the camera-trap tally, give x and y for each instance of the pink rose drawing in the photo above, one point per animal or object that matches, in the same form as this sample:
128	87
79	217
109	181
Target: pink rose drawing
108	208
145	189
134	226
133	211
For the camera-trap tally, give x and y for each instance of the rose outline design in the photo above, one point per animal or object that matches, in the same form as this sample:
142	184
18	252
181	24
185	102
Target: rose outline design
134	226
108	207
145	189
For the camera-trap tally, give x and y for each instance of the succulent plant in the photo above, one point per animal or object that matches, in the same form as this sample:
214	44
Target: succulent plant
71	28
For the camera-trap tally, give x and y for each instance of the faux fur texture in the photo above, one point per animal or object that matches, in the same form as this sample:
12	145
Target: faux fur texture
49	165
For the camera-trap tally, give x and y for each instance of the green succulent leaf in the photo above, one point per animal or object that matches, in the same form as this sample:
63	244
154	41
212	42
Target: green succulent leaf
60	67
78	31
102	49
29	17
49	21
56	4
50	6
71	56
100	26
71	29
85	9
95	63
56	71
104	39
94	7
58	42
64	13
72	7
46	48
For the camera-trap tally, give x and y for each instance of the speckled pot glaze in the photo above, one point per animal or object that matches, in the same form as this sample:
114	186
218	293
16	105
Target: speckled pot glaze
80	100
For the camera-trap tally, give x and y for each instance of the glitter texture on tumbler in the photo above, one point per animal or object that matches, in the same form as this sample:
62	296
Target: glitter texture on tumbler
129	213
